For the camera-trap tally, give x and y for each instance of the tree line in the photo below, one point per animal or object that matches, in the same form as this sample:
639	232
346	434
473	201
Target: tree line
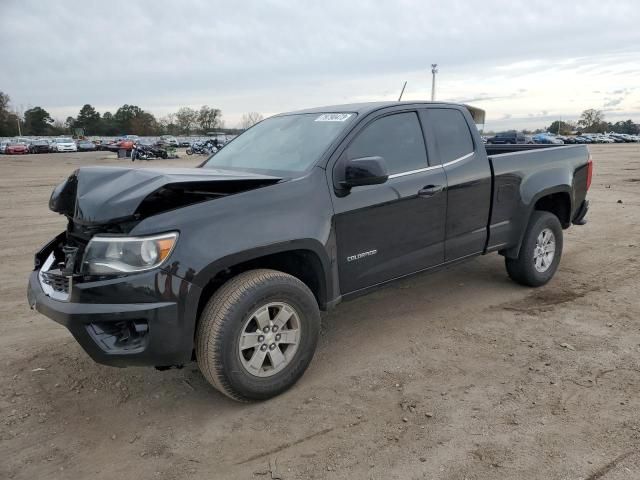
592	121
128	119
133	120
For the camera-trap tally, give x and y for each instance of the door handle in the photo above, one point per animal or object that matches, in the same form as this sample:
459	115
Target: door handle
429	190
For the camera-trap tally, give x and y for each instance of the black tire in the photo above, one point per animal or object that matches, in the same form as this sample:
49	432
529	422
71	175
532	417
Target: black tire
522	269
222	322
188	151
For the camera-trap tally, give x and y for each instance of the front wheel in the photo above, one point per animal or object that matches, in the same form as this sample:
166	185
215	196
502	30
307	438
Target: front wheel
257	335
540	252
189	151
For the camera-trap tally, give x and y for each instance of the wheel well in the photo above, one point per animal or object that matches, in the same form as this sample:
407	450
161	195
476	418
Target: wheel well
302	264
559	204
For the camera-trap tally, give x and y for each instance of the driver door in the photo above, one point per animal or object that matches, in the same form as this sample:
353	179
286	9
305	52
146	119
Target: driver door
396	228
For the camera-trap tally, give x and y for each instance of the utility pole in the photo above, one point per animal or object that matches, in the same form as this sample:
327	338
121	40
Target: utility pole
434	70
19	132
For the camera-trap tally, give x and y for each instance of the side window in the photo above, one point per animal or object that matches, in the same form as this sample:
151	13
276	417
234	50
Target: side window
397	138
451	133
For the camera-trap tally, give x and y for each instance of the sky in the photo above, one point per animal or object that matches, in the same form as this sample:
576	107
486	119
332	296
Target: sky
526	63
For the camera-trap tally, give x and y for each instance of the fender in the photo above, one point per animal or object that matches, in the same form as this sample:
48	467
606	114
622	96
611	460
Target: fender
546	182
327	289
527	211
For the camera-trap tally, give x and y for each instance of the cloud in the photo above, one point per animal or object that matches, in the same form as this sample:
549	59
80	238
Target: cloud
278	55
613	102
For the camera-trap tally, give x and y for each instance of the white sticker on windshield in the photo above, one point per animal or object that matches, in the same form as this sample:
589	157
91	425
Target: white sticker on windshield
333	117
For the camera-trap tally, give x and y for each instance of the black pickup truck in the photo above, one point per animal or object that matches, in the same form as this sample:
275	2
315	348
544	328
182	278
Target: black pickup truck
230	263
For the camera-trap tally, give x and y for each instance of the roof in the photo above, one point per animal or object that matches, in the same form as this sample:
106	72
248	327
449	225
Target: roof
368	107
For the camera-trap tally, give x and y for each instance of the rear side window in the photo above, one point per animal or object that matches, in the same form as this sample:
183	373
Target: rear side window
451	134
397	138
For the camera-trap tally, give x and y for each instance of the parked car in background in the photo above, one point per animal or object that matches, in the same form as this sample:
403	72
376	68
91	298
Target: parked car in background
113	146
168	140
39	146
15	148
626	138
127	142
507	138
3	145
103	145
86	146
547	139
64	145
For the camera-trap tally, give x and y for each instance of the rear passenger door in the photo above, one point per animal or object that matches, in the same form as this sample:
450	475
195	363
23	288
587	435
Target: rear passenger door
396	228
468	174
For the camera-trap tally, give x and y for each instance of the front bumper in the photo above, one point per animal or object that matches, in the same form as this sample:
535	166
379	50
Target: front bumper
142	319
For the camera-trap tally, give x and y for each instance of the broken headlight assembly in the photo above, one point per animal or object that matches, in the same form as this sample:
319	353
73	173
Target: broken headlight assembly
112	255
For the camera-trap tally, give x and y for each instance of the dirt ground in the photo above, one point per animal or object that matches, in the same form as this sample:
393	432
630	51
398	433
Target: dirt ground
460	374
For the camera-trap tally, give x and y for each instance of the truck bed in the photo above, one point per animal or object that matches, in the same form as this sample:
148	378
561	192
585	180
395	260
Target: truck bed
520	174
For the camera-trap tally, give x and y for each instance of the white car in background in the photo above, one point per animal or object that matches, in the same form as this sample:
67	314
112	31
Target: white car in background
64	145
3	145
169	140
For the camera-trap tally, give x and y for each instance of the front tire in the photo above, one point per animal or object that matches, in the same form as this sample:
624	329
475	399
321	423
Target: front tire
257	334
540	252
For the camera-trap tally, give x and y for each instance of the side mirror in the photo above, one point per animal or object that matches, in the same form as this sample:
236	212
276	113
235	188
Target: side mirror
364	171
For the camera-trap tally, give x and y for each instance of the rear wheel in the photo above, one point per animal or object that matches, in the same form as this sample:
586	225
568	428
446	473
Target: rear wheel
540	252
257	334
188	151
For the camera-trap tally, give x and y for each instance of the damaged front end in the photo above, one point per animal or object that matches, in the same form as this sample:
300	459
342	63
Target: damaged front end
109	287
110	201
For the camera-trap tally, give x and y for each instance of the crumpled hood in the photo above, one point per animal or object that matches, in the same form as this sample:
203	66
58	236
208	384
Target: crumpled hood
98	195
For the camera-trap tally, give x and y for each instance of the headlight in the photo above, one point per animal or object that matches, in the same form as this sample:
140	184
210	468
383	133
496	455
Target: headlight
113	255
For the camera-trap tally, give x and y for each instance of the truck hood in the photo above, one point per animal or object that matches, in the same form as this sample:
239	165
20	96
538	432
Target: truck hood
101	195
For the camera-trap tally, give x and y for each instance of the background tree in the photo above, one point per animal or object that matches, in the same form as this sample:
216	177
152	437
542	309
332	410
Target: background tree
5	129
250	119
209	118
186	118
124	117
37	121
144	124
627	126
8	119
592	121
89	120
168	125
108	125
561	128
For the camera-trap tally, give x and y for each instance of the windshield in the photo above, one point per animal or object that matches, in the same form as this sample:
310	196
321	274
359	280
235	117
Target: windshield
64	140
282	145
